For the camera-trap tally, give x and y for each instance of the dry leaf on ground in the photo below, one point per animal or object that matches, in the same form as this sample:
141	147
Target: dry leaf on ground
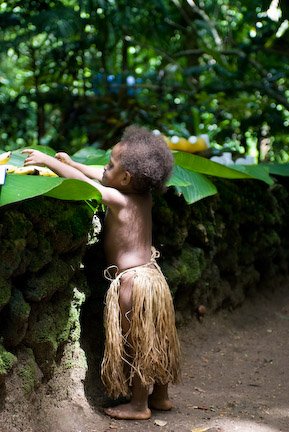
160	422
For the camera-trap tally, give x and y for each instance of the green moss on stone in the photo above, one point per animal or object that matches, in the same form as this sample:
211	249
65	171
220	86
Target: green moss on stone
28	372
55	278
42	254
17	322
53	324
16	224
5	292
19	308
10	256
74	357
171	226
185	269
74	324
7	361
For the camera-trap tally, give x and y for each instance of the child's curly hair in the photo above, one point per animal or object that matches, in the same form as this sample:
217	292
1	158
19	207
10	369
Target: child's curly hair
146	157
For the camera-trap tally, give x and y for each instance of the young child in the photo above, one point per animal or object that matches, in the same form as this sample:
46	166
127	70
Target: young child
141	347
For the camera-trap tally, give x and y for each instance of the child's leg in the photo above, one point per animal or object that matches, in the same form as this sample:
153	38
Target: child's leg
137	408
159	399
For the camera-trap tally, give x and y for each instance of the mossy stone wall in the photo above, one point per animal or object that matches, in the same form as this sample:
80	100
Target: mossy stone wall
214	252
219	250
42	244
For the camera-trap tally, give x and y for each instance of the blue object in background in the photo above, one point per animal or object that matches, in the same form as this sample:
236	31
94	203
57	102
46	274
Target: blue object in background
113	83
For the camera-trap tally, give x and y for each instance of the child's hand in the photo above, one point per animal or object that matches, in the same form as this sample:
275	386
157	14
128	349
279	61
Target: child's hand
35	157
63	157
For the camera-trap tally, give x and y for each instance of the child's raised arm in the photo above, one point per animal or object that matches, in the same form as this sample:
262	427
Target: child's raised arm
89	171
110	196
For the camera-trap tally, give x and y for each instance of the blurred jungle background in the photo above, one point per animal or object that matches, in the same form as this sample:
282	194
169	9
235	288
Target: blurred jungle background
75	73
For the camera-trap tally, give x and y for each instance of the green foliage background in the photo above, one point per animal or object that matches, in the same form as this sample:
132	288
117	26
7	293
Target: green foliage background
191	178
216	66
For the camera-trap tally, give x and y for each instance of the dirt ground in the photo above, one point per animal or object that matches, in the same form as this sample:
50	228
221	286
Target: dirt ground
235	378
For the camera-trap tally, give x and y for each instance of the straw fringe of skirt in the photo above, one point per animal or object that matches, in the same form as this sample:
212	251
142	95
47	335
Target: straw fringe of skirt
151	349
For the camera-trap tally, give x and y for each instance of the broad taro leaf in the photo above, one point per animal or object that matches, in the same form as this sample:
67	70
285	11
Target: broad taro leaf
17	158
193	186
187	177
258	172
179	177
21	187
279	169
205	166
92	156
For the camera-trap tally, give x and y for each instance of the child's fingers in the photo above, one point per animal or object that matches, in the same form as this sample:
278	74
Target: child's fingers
62	156
27	151
32	156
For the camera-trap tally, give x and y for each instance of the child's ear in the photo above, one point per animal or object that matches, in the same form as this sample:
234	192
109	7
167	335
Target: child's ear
126	178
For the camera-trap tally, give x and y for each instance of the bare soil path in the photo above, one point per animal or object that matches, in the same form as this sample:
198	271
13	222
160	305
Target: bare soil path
235	373
235	379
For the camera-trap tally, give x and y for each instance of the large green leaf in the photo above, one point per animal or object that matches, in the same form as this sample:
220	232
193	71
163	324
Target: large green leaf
21	187
92	156
191	185
187	177
208	167
258	172
73	189
178	178
279	169
18	158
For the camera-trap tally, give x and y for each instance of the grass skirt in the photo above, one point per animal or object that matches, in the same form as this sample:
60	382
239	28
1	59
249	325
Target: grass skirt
152	337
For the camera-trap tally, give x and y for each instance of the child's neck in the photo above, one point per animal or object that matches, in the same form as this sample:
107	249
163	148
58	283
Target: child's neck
128	190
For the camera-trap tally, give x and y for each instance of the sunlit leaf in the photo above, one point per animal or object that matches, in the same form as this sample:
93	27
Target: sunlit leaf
92	156
73	189
279	169
21	187
18	158
178	178
259	172
205	166
188	178
191	185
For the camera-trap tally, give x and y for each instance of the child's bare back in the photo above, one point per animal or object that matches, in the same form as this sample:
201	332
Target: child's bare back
127	232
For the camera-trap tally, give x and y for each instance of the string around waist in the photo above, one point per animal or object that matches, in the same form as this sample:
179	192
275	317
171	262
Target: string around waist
112	273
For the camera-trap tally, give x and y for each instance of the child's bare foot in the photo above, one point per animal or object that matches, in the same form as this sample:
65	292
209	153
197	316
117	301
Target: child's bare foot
128	412
160	404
